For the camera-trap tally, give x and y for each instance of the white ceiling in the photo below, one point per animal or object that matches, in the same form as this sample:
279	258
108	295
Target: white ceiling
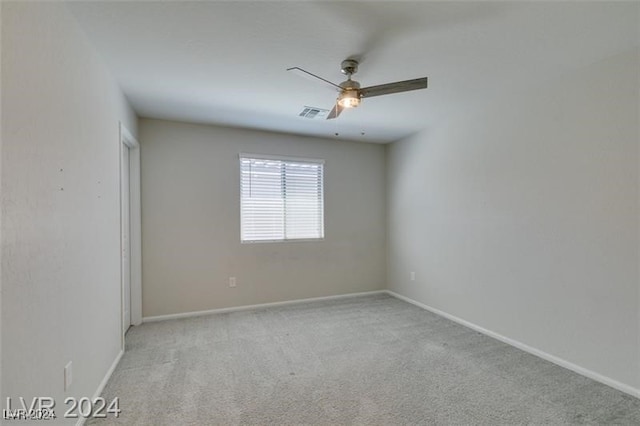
224	62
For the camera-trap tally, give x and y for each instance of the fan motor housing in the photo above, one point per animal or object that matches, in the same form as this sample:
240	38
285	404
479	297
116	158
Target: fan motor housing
350	84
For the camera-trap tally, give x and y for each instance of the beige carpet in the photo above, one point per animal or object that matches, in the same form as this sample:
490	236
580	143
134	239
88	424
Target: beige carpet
372	360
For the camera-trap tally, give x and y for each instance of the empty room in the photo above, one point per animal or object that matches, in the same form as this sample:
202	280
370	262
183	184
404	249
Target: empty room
320	213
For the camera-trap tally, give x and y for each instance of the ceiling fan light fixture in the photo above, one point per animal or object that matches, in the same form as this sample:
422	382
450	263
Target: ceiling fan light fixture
351	93
349	98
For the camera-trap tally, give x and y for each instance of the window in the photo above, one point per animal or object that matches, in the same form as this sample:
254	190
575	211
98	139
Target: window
281	198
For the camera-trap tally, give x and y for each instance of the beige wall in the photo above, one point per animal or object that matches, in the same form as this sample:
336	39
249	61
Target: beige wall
523	218
60	206
191	221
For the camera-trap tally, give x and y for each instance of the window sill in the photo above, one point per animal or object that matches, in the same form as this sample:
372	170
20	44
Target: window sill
296	240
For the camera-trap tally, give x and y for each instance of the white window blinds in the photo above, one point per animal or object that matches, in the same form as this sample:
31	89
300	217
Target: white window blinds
281	199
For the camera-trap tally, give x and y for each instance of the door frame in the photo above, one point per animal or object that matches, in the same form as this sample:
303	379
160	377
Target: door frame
128	141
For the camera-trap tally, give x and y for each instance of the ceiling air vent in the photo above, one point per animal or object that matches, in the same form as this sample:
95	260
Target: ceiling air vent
313	112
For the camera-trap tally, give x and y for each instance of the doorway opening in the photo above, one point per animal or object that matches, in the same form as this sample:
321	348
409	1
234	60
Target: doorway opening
130	231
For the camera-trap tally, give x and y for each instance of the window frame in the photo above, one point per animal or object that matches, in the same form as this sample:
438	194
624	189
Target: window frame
283	158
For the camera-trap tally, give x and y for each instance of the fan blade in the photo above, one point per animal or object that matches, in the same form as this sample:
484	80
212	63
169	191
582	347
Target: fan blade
299	70
335	112
397	87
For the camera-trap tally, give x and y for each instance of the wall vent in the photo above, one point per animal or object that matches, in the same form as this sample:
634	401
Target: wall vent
313	112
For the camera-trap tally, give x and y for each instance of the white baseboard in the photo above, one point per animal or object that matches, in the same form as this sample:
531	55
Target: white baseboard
259	306
103	383
552	358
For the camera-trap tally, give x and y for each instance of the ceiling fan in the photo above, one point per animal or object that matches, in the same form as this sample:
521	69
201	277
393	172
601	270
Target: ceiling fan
350	92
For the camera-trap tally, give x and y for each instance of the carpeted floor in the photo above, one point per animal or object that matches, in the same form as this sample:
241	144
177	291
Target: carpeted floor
371	360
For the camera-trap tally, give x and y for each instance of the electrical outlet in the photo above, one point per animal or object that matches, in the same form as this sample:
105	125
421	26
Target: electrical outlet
68	375
413	276
232	281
